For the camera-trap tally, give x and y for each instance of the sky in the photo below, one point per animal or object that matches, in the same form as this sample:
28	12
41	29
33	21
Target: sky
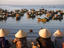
32	2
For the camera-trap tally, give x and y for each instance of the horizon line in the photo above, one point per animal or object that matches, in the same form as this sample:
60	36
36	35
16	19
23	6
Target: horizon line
29	5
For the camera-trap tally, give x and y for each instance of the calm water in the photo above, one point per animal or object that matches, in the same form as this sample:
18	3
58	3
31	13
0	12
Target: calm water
25	24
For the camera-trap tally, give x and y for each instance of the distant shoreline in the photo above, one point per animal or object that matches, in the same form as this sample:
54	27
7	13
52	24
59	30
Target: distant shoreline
42	6
28	5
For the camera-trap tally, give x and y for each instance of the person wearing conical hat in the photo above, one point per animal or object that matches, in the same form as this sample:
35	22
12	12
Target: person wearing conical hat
4	43
20	40
44	39
59	39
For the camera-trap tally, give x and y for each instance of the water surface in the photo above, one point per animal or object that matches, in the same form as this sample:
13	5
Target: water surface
28	23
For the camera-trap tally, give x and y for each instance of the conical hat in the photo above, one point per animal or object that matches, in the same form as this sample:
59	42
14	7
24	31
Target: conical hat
3	32
44	33
58	33
20	34
6	31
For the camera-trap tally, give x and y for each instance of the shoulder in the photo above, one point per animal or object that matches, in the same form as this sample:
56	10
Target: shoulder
36	41
6	40
38	38
15	40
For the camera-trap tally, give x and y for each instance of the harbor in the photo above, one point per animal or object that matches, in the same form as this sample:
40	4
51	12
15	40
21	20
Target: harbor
26	22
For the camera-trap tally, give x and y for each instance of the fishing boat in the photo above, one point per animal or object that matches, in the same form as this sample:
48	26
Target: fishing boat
38	13
3	17
18	16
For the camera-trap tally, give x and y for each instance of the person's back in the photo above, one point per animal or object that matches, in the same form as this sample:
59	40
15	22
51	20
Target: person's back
20	40
58	42
59	39
45	42
3	41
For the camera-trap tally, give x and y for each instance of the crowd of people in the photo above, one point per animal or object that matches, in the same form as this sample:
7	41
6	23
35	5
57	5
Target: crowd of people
43	41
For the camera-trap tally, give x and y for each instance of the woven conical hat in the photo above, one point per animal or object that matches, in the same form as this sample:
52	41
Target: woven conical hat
58	33
44	33
3	32
20	34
